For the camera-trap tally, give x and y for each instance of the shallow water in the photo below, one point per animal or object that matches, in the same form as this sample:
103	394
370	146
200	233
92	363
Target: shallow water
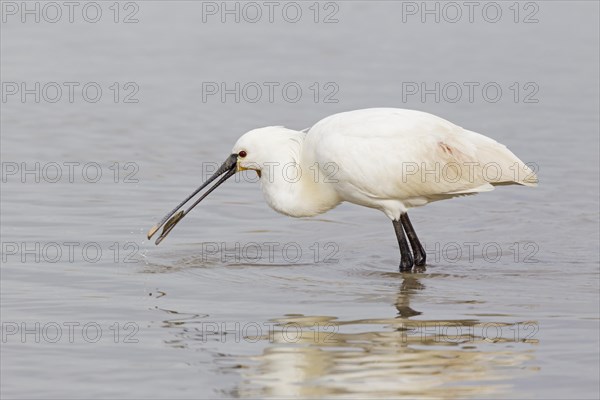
242	302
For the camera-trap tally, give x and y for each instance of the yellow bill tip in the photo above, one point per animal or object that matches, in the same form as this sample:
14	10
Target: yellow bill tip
152	231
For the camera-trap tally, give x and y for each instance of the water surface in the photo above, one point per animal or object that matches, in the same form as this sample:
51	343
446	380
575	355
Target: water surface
242	302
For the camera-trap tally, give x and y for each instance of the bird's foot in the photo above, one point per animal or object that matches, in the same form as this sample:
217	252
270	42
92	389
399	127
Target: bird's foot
419	266
406	263
419	269
420	260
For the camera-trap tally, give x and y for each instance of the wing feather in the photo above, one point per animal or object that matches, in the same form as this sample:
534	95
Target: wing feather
400	154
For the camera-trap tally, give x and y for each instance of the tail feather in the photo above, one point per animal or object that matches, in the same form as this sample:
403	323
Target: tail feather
500	165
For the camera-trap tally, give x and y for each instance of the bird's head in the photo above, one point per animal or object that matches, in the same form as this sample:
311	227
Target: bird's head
258	150
264	149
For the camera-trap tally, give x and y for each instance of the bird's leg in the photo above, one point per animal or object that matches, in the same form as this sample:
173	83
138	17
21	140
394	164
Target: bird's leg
417	248
406	260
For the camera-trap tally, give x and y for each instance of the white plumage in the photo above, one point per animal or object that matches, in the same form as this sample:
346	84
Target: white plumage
384	158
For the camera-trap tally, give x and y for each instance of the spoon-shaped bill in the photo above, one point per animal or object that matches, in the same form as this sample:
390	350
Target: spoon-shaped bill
177	217
229	168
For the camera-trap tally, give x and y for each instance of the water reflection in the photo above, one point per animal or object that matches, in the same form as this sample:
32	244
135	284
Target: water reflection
384	358
403	356
410	285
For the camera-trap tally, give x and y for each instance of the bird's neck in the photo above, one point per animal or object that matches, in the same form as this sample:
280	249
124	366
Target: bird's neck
295	186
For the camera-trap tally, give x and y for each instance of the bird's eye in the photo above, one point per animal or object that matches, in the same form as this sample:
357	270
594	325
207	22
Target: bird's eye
242	154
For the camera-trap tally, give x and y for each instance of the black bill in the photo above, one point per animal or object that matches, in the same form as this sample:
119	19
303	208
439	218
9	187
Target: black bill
227	169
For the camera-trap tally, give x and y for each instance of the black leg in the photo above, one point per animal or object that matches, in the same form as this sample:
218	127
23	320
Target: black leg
418	251
406	260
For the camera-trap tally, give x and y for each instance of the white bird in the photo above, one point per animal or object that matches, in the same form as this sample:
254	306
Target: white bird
384	158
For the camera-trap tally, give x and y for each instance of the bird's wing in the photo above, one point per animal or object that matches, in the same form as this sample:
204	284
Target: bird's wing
401	154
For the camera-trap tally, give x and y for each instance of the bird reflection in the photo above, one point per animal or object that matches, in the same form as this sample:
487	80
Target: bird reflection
410	285
323	356
389	357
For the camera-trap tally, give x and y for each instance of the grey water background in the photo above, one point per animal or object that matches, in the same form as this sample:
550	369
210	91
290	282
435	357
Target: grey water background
240	301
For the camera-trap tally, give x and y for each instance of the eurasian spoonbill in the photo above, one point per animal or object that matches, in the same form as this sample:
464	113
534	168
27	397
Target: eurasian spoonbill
384	158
